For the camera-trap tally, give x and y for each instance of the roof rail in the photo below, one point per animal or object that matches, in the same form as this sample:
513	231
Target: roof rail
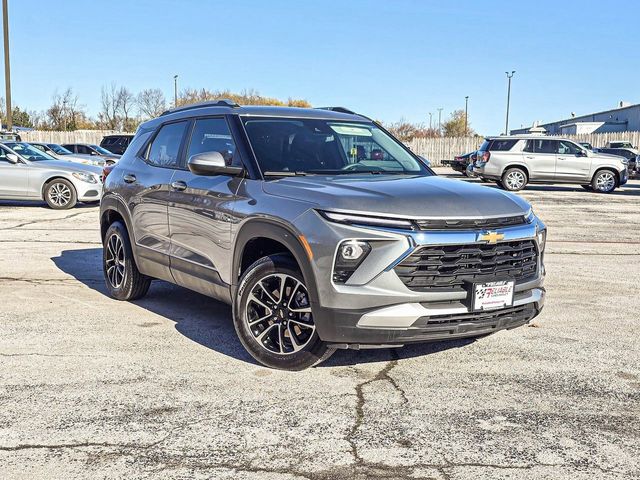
210	103
338	109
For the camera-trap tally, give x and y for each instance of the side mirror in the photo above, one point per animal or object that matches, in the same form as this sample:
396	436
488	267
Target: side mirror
12	157
211	163
583	153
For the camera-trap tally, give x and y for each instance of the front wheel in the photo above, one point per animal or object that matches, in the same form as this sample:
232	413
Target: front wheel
60	194
273	318
604	182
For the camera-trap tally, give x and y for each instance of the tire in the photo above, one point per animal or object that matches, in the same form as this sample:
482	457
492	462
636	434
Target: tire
604	181
514	179
121	275
277	332
60	194
499	183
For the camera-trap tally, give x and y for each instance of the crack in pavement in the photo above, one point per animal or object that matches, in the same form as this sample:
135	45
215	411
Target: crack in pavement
35	354
52	281
46	220
66	242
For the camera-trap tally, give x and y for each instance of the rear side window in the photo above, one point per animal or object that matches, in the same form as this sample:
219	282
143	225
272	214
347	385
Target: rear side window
165	148
213	135
498	145
541	146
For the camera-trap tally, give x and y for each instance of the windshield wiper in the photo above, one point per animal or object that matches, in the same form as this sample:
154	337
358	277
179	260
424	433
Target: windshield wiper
285	174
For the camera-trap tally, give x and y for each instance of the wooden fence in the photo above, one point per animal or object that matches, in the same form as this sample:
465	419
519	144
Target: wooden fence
77	136
435	149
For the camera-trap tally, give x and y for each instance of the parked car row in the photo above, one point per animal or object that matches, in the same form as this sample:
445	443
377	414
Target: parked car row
28	173
515	161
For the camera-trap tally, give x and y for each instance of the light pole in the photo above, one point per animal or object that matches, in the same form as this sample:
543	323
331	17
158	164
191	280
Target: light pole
466	115
506	125
440	121
175	91
430	124
7	68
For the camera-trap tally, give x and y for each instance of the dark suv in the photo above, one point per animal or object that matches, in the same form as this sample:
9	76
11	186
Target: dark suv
116	143
319	228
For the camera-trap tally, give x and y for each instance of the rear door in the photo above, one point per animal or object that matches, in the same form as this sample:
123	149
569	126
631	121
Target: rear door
14	177
539	155
572	164
201	212
148	181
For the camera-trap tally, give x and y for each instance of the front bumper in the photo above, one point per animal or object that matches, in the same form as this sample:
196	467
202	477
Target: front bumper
421	322
88	192
375	307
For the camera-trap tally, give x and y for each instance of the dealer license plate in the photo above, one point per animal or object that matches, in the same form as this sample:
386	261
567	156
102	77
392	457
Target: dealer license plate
492	295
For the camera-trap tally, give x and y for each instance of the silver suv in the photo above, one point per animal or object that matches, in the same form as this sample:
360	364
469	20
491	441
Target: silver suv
515	161
319	228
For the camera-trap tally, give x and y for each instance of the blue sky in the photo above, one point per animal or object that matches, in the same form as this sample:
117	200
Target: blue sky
387	59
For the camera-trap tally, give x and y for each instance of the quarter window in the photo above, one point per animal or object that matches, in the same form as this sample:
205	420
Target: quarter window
165	148
213	135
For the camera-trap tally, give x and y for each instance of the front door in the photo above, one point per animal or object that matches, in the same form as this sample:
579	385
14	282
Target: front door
148	181
201	214
14	177
573	165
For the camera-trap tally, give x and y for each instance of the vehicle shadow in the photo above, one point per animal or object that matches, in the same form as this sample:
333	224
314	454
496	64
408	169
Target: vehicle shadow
208	322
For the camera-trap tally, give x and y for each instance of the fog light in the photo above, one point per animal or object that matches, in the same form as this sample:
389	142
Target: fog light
352	250
350	255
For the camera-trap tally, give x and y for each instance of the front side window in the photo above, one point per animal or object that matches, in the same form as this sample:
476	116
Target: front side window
165	148
568	148
213	135
315	146
58	149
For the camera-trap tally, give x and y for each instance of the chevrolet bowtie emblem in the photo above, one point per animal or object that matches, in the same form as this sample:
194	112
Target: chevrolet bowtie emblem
490	237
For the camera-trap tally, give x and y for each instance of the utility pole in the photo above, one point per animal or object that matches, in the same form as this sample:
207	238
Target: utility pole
430	124
440	121
506	125
175	91
466	115
7	68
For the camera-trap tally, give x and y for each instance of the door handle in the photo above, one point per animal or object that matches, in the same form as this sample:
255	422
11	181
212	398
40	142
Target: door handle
529	158
561	158
179	185
129	178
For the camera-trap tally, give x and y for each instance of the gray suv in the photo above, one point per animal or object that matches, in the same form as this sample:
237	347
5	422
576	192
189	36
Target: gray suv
514	161
319	228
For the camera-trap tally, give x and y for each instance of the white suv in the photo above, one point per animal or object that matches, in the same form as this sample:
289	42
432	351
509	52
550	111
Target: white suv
515	161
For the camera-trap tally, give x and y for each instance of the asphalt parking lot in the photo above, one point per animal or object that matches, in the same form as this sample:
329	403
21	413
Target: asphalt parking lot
161	388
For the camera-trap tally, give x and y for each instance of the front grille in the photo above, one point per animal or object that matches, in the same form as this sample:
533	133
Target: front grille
470	224
448	267
479	320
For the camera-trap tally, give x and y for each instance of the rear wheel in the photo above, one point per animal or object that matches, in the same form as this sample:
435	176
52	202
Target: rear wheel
273	318
514	179
604	181
60	194
124	280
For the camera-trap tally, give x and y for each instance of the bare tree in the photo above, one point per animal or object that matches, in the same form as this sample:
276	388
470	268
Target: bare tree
126	102
110	104
64	112
151	102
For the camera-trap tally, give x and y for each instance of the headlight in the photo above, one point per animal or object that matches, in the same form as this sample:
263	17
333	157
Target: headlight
365	220
85	177
542	239
350	255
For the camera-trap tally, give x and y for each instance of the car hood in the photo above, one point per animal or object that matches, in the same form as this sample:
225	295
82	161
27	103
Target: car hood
66	166
400	196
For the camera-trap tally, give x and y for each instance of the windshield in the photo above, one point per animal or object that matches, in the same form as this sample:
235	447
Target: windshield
27	151
100	150
326	147
58	149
